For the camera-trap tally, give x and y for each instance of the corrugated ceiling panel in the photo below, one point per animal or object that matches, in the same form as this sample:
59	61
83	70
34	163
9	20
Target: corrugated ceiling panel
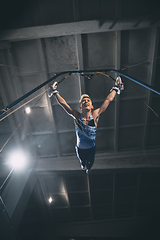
67	143
45	144
61	53
130	138
99	50
132	112
40	120
26	56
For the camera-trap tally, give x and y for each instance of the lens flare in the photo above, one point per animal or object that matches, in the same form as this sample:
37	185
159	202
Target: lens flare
17	159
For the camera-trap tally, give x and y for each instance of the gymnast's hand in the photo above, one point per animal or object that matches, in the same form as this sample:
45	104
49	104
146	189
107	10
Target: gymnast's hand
54	85
53	89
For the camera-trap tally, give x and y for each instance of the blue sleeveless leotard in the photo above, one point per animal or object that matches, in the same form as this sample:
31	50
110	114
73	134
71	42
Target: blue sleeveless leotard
86	134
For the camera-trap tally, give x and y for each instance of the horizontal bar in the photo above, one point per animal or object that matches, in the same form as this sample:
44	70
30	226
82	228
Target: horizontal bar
69	73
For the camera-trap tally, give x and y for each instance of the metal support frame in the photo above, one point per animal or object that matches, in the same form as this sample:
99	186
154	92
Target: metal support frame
6	181
3	209
69	73
11	232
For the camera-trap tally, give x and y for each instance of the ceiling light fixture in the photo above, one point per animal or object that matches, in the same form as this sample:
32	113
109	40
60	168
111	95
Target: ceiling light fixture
28	110
50	200
17	159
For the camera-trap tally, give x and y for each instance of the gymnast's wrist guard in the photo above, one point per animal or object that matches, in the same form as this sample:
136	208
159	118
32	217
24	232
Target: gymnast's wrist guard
119	86
116	88
52	92
55	92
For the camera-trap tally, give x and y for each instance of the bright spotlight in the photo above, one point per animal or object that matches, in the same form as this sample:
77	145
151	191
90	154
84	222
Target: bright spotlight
50	200
17	159
28	110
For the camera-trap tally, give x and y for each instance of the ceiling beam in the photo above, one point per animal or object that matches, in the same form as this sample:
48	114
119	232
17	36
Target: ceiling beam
8	92
151	73
23	193
79	49
136	197
15	89
80	64
39	193
113	207
76	10
44	197
18	190
45	75
99	228
89	196
81	27
67	197
5	45
117	98
140	159
10	119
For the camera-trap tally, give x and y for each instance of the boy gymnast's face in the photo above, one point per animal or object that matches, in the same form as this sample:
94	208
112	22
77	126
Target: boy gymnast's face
86	103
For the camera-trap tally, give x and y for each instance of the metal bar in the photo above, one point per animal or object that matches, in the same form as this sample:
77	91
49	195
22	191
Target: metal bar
73	72
114	191
77	27
152	73
6	181
117	99
4	211
136	198
89	196
27	94
136	81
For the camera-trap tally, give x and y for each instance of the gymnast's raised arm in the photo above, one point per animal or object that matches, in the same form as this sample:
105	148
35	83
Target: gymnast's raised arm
62	102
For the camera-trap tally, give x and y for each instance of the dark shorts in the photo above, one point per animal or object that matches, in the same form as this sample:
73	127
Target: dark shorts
86	156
